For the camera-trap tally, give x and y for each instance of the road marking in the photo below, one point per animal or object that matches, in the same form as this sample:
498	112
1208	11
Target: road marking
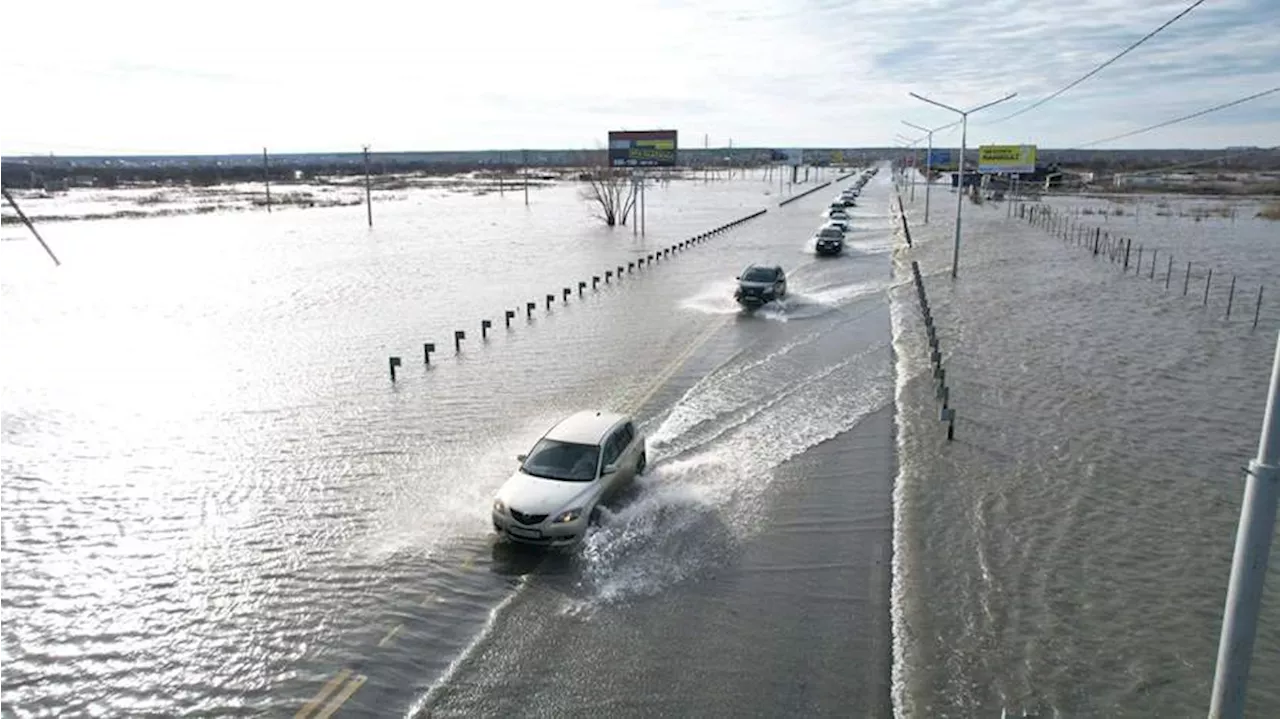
390	635
325	691
351	688
678	362
355	684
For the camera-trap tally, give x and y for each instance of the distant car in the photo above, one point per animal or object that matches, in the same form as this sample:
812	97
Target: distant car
829	241
580	463
842	225
837	215
760	284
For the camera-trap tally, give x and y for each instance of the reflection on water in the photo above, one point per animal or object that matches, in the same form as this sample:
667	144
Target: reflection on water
213	495
1069	552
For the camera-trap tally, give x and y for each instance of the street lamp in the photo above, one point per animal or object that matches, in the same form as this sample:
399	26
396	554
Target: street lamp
911	144
964	131
928	162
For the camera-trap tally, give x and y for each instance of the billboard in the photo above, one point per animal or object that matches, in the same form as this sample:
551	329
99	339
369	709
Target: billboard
940	158
642	148
1007	158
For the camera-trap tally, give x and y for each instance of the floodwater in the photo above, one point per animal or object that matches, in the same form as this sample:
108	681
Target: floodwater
216	501
1068	554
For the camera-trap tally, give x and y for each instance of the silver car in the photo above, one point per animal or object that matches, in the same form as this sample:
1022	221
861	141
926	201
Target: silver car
580	463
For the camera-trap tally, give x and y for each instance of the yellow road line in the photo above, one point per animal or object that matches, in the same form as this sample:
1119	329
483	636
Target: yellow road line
342	696
390	635
325	691
354	685
675	364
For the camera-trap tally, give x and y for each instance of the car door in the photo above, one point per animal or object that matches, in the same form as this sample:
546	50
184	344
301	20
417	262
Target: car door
611	453
630	453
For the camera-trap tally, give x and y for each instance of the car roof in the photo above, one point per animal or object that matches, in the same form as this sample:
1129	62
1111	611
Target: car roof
775	268
588	426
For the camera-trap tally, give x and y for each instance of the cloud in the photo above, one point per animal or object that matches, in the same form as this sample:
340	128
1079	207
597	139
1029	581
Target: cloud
560	73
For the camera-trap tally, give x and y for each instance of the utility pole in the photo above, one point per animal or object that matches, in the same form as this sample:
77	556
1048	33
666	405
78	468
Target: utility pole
642	186
266	178
1249	564
23	216
368	189
524	161
964	132
502	167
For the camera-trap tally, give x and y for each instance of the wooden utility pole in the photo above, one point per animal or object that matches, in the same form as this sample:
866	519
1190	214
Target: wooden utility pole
368	190
23	216
266	178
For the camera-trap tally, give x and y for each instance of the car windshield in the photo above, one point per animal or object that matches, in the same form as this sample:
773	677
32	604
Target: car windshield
550	459
830	232
758	274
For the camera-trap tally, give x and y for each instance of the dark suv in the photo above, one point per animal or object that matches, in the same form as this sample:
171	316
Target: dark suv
759	284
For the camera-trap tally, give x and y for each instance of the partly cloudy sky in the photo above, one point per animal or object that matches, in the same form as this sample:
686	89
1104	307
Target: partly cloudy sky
143	76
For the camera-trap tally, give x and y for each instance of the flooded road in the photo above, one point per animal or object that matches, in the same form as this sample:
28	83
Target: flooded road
216	501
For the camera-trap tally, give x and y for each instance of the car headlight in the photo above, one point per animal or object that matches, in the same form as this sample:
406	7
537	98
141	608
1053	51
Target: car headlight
498	506
569	515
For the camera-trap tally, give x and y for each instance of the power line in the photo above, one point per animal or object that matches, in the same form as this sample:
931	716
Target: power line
1177	120
1208	161
1099	68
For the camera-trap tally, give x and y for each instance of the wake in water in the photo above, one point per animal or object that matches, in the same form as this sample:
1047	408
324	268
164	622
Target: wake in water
712	466
799	304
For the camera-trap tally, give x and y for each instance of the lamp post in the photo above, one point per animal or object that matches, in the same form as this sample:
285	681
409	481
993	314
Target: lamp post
928	163
911	144
964	131
1249	563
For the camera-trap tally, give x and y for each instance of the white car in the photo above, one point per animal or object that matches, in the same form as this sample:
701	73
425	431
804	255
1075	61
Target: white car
580	463
837	215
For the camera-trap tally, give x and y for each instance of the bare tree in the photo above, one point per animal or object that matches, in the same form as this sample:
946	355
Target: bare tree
610	189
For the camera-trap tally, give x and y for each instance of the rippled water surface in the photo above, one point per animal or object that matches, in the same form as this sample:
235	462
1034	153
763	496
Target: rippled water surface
1068	553
216	501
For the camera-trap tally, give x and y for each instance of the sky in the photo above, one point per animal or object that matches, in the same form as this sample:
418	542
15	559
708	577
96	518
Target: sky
143	77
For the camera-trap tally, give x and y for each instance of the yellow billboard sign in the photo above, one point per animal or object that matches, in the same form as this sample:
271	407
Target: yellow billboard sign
1007	158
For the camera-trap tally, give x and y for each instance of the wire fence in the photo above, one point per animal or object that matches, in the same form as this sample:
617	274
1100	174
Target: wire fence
1194	280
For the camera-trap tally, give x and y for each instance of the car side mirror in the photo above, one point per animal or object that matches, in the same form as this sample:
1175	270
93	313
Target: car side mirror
738	277
521	457
608	469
